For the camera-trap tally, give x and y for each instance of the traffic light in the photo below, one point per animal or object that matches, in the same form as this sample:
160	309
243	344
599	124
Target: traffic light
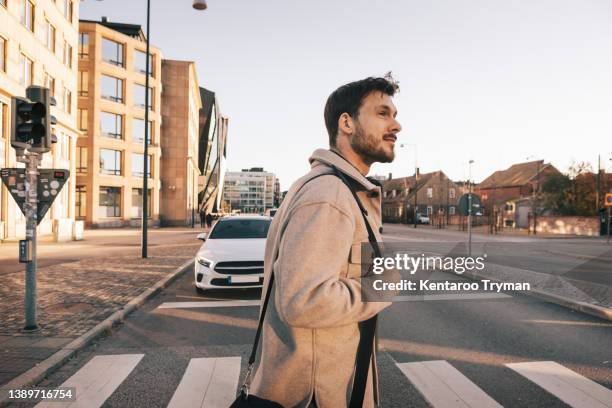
31	121
42	119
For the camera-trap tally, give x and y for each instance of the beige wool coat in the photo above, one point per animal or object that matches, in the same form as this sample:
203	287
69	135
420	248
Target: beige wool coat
310	331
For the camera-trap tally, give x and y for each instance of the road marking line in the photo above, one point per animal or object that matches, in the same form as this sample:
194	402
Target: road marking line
208	383
570	387
450	296
220	303
444	386
97	380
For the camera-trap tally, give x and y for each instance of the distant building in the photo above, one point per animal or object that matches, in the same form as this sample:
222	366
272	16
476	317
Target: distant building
435	194
250	190
180	142
111	111
38	46
212	153
507	194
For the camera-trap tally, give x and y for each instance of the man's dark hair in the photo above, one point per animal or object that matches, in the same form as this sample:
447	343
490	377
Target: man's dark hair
348	98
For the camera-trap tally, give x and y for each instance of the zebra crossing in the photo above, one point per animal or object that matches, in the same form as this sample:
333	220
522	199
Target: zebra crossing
212	382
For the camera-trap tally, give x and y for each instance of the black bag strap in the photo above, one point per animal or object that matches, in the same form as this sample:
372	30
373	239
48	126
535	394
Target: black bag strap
367	328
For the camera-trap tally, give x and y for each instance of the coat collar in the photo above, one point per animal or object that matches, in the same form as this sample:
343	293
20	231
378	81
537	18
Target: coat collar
330	158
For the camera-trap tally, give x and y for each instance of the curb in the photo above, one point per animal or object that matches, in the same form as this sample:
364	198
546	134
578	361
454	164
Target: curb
583	307
55	361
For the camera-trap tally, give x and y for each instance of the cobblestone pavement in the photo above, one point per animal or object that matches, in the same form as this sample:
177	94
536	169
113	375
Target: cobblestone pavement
73	297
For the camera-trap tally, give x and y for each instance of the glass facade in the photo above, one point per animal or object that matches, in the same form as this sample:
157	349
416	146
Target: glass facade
138	165
110	162
140	62
112	52
110	202
111	88
111	125
139	96
137	203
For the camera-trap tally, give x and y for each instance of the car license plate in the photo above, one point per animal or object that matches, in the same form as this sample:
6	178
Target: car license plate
244	279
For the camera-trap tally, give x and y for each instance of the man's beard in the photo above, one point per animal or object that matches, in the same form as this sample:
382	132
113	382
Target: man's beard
370	149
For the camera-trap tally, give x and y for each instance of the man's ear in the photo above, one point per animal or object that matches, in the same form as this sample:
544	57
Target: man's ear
346	124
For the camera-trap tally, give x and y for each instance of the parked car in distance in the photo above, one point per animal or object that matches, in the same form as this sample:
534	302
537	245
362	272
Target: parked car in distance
232	255
423	218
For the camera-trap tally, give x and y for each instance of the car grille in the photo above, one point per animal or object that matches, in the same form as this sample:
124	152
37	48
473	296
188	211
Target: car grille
239	267
224	282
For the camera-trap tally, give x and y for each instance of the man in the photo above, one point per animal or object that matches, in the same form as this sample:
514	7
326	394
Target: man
310	332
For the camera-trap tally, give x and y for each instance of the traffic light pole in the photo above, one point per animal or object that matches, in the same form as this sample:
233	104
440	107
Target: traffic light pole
31	210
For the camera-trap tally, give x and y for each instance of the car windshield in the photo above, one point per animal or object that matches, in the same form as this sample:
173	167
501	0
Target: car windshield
240	228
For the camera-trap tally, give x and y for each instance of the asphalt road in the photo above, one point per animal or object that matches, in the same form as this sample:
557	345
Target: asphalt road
441	353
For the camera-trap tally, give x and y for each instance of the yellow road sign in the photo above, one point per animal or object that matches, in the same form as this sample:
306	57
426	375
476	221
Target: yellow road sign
608	200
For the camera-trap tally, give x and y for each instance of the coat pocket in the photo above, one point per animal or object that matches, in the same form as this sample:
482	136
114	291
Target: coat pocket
354	266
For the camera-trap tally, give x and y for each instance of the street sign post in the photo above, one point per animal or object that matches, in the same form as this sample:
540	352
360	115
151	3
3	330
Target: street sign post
470	204
31	136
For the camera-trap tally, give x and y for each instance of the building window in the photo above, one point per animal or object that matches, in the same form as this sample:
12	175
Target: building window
138	130
110	202
26	71
112	52
112	88
3	120
451	193
50	34
81	202
67	9
429	210
140	62
67	54
50	83
82	120
139	96
110	162
2	54
509	207
138	165
111	125
451	210
429	192
83	45
137	203
67	97
27	14
83	83
81	160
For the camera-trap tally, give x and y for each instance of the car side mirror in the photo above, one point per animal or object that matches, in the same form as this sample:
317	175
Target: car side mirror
202	236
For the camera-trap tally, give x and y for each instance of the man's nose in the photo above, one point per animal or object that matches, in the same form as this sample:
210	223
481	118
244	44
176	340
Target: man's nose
396	127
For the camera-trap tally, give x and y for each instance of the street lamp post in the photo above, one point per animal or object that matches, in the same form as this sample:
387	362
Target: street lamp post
416	179
470	209
198	5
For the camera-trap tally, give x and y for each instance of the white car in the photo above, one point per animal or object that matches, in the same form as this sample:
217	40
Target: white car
232	255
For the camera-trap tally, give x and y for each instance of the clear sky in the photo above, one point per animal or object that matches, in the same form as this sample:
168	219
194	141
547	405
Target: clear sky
496	81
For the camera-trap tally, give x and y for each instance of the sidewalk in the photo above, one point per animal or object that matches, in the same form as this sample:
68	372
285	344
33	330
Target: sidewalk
76	295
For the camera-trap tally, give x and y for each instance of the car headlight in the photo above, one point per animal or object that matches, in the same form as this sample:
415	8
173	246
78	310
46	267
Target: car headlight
207	263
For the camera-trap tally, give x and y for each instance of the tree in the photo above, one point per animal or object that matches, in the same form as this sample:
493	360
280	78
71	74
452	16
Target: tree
572	193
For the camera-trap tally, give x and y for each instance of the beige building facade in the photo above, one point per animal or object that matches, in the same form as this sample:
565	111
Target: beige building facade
38	44
111	111
181	104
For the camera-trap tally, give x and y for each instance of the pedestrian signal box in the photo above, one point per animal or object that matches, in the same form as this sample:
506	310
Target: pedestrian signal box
50	183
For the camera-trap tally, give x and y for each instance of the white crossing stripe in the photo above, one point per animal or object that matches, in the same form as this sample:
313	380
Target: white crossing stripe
97	380
208	383
451	296
220	303
570	387
444	386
